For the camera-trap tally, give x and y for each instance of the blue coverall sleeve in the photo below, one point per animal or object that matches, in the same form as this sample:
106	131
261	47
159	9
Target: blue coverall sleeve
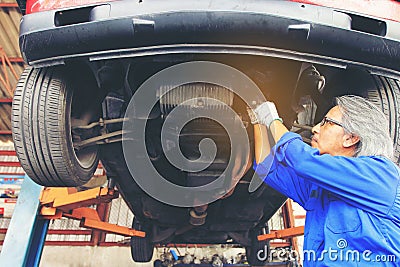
282	179
369	183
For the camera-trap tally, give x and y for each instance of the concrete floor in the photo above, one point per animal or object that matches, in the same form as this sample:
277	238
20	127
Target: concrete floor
114	256
88	257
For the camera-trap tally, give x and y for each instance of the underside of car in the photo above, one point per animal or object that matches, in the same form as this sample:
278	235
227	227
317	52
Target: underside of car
71	105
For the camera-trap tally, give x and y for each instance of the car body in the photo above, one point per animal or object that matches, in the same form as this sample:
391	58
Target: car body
89	61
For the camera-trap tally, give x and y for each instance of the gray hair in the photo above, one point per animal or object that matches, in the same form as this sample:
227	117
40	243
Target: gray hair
364	119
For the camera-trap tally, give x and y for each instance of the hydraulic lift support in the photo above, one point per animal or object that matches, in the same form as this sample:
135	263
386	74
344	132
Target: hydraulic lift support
36	206
25	232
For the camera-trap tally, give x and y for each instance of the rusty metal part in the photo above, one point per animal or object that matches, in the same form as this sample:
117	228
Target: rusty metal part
102	122
200	209
198	215
104	136
101	139
197	219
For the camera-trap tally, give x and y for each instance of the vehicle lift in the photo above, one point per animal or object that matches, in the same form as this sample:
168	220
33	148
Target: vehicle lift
37	205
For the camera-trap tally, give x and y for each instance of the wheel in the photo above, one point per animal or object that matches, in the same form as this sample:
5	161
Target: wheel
141	247
43	113
386	95
253	254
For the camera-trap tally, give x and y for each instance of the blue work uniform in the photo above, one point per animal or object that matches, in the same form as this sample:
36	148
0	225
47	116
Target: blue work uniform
352	203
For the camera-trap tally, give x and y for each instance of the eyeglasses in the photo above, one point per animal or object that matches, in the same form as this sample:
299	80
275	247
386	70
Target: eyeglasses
326	119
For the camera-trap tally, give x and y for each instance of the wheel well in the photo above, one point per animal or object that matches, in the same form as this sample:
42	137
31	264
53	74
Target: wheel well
88	96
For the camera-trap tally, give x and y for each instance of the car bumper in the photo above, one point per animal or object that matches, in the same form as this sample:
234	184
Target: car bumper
271	28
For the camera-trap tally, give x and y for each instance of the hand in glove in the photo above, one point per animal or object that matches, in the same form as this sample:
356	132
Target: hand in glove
252	116
266	113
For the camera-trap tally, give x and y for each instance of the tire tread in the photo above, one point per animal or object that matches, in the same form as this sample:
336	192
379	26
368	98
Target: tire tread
39	130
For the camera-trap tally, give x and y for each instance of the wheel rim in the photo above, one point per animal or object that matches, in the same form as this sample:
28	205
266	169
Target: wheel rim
86	156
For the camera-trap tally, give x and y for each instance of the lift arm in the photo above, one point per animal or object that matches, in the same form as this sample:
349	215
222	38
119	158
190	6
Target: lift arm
61	202
284	233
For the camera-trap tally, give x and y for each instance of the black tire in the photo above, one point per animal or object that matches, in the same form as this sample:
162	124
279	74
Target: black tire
157	263
252	251
141	247
41	125
386	95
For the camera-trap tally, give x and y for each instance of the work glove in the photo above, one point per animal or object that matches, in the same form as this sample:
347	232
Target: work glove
252	116
266	113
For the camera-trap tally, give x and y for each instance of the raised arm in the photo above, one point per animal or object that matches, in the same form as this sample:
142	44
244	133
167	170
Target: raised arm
267	169
262	142
265	117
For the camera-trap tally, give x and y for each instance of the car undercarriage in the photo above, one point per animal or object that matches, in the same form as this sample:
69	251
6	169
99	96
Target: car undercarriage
74	108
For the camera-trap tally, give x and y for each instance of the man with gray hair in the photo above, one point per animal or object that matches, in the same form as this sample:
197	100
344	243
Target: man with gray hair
345	181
